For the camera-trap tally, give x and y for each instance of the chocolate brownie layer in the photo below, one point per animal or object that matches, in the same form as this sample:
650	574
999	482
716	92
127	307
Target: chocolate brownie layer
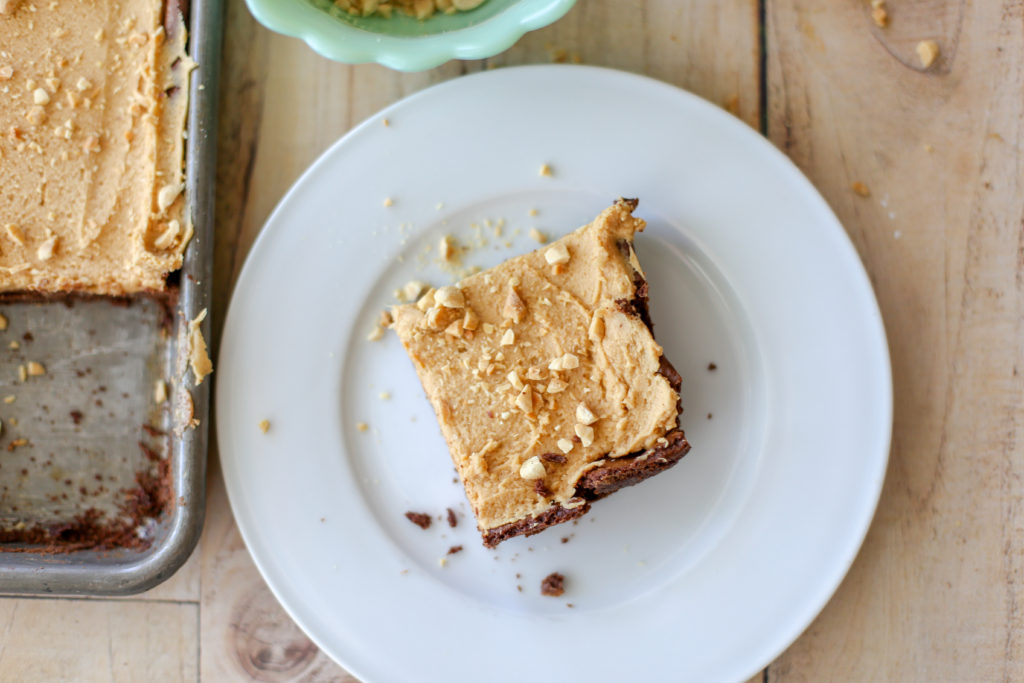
534	525
632	469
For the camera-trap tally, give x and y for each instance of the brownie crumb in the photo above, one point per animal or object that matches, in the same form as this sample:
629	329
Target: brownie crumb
419	519
553	585
709	416
76	416
569	605
553	457
712	367
540	488
565	539
519	588
455	549
452	519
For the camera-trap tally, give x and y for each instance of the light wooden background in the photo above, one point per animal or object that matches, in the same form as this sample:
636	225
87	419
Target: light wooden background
937	594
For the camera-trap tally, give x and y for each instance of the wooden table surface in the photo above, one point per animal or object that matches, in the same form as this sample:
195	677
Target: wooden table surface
937	593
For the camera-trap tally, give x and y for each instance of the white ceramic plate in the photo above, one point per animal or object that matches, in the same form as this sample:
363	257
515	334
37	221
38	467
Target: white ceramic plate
706	572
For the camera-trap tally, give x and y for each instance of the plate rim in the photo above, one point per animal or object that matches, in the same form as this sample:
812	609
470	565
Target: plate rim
870	498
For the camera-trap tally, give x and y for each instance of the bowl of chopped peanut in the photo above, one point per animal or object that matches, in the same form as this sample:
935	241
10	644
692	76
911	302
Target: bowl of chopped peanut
407	35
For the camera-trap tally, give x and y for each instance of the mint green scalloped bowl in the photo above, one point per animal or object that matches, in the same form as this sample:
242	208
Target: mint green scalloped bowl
402	42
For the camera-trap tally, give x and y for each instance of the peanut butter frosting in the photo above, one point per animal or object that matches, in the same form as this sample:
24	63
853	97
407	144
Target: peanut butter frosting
539	371
93	100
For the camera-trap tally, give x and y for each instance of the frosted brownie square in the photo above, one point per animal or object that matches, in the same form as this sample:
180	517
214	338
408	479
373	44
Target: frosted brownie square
548	385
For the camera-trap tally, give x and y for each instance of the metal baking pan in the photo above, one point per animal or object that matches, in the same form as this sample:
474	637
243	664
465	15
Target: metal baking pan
86	451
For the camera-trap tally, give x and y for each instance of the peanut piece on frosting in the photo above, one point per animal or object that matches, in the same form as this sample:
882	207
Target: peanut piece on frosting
532	469
513	309
557	386
556	254
586	434
513	379
585	415
927	52
450	297
524	401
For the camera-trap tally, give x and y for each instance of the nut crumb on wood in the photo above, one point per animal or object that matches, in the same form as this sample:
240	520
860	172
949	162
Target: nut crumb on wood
927	52
879	14
264	426
860	189
35	369
22	373
198	356
10	399
3	322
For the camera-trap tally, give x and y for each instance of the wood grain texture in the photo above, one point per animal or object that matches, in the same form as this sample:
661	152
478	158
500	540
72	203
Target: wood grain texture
709	48
245	633
93	640
936	592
